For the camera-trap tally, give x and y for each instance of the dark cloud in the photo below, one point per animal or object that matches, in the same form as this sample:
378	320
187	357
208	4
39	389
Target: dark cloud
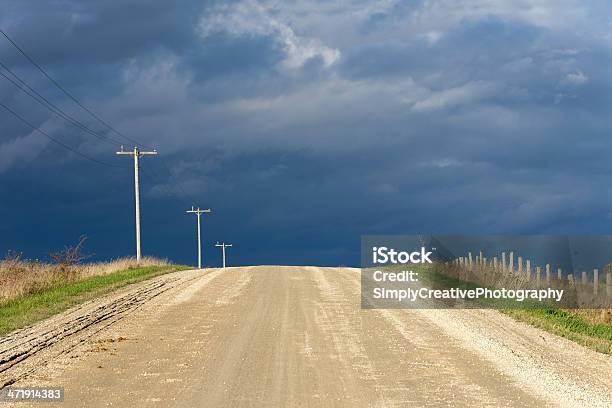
306	126
77	33
223	56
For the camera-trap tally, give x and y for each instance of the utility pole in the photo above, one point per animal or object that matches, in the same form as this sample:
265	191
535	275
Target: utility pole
223	246
199	212
137	153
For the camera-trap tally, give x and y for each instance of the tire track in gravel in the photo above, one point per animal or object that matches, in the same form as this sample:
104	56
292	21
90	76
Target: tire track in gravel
78	324
333	318
556	369
297	336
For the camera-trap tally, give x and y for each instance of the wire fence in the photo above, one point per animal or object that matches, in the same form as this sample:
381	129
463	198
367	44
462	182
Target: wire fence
507	269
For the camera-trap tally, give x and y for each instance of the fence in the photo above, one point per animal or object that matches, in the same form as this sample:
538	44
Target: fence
514	271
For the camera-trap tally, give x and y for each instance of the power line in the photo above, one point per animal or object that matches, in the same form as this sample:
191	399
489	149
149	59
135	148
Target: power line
31	92
28	90
59	142
94	115
22	85
136	154
199	212
223	246
68	94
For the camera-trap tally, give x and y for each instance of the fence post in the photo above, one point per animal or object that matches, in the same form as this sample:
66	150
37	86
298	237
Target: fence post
470	260
495	263
595	282
481	258
520	265
559	274
503	262
528	270
511	262
570	278
609	284
548	274
585	278
538	276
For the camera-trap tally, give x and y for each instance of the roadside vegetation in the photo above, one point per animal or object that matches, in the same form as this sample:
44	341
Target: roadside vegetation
31	290
591	328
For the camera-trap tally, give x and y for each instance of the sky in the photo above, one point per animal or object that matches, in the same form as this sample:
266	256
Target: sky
306	124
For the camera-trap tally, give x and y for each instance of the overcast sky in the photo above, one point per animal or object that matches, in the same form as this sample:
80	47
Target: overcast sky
306	124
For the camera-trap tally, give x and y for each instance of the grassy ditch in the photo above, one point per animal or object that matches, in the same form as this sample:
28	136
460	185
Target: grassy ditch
574	325
23	310
591	328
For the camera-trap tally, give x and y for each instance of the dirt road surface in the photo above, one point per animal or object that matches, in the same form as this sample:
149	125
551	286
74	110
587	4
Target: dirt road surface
279	336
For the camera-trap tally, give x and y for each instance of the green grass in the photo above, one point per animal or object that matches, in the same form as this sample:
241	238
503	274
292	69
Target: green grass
565	323
26	310
562	322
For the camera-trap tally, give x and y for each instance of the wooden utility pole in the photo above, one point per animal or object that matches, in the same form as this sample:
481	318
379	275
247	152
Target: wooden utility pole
199	212
136	153
223	246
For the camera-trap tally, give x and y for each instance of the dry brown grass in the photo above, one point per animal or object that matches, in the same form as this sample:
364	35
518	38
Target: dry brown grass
595	316
576	295
20	277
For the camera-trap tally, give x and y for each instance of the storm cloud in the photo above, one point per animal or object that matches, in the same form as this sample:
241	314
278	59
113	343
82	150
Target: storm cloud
307	124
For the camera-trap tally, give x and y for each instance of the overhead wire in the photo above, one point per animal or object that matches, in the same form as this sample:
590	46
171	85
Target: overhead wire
73	121
68	94
31	92
55	140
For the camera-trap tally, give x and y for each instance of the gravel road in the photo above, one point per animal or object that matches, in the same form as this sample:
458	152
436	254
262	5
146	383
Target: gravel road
279	336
